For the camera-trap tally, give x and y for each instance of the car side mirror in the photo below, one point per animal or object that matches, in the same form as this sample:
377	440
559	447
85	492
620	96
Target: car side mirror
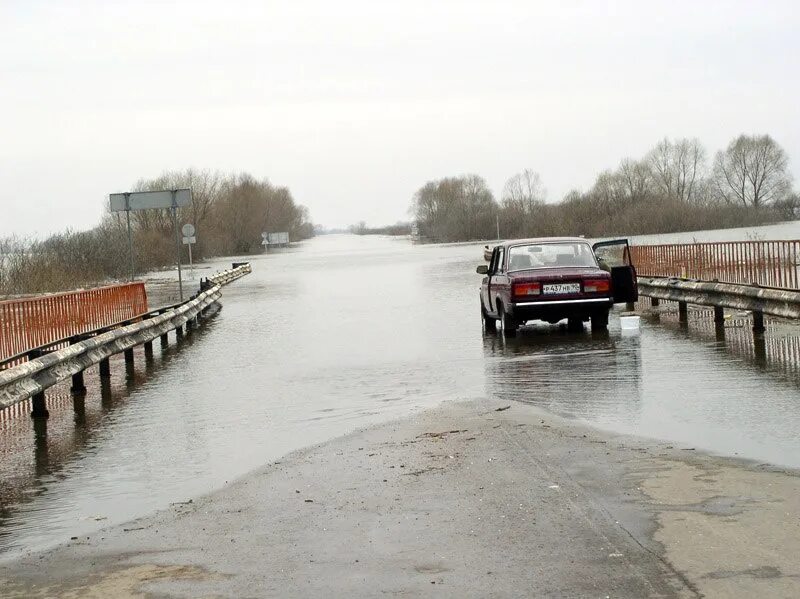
483	269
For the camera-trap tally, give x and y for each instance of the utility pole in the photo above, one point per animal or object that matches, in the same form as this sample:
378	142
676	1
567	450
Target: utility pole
497	217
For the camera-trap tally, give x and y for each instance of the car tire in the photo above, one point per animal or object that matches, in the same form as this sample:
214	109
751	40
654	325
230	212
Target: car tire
509	324
600	321
489	323
574	325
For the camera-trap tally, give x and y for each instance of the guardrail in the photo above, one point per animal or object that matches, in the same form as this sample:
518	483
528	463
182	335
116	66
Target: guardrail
765	263
33	377
26	323
30	379
783	303
239	270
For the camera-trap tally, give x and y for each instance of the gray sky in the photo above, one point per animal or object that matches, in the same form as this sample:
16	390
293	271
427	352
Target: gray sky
354	105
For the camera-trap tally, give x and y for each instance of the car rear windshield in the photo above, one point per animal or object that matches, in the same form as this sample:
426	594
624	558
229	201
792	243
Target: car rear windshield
550	255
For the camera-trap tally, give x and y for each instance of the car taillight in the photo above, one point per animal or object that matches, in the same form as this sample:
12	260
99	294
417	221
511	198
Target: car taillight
596	286
525	289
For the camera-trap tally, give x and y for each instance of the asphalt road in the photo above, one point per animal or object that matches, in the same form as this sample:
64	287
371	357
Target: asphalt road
458	501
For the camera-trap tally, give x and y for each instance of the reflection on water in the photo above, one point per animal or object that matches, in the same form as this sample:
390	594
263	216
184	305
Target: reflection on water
580	375
344	332
716	388
38	456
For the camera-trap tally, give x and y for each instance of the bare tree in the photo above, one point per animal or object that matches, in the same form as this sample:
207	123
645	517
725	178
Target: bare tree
525	190
455	208
789	207
479	206
636	178
677	168
752	171
608	193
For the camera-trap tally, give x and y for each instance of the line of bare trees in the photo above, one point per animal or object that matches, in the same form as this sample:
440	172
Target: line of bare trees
397	229
673	187
229	213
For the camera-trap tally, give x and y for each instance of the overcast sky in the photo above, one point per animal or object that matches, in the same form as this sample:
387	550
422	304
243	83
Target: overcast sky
354	105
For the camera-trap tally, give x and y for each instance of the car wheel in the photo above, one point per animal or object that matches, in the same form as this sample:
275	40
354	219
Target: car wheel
509	324
488	322
574	325
600	321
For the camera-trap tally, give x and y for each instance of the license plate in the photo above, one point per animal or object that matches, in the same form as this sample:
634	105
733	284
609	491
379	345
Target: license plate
561	288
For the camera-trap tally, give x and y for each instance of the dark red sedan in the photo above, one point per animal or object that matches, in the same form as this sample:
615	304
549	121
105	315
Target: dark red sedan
556	278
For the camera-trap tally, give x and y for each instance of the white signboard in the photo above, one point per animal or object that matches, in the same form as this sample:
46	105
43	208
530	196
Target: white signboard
146	200
278	238
188	230
189	240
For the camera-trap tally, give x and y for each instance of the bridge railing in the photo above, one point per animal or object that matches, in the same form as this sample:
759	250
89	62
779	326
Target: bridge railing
29	373
27	323
31	378
764	263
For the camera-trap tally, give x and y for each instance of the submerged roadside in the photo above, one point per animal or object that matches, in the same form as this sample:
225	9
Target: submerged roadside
467	499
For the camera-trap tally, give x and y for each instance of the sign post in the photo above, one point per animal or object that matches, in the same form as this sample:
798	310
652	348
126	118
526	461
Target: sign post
130	236
148	200
177	242
189	239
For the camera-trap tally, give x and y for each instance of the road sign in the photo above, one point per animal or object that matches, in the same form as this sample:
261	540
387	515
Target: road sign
189	239
146	200
188	230
278	238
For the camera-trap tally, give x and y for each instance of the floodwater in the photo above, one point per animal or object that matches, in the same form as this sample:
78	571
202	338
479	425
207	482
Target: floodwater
784	230
342	332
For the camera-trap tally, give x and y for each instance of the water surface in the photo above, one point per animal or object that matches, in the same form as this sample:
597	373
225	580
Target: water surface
342	332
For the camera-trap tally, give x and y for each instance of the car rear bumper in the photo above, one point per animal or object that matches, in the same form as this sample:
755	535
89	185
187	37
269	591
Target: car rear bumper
591	301
560	308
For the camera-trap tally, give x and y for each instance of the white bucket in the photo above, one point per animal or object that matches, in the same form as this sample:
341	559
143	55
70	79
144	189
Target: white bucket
629	324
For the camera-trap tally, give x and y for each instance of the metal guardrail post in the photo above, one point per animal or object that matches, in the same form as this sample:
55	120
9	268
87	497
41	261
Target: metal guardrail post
78	385
38	400
105	368
758	322
39	406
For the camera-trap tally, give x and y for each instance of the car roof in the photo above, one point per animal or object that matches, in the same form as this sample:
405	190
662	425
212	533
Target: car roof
534	240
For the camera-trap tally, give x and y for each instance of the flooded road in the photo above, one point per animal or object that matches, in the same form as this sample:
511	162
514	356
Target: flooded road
343	332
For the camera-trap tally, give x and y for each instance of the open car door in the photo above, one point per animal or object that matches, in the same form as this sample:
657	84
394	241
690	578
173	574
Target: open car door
616	254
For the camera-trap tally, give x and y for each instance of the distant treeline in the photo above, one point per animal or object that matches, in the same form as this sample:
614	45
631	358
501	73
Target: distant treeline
361	228
229	213
672	188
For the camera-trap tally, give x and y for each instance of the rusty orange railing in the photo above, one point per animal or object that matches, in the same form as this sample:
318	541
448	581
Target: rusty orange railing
32	322
765	263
